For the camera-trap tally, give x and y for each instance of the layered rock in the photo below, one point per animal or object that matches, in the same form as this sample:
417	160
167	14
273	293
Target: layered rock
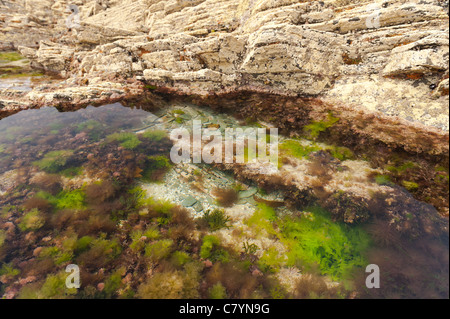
383	56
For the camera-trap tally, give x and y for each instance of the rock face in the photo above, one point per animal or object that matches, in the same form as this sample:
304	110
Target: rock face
389	56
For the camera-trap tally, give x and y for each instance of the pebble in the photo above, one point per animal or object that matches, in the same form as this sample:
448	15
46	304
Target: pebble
37	251
248	193
189	201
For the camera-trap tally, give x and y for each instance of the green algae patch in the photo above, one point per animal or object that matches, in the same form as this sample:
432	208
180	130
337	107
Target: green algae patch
16	72
316	127
8	271
383	180
263	219
2	237
272	260
6	57
217	219
218	291
410	186
75	199
72	172
94	129
54	287
297	149
32	221
155	168
316	241
55	161
71	199
159	250
154	135
211	249
127	140
341	153
313	241
58	255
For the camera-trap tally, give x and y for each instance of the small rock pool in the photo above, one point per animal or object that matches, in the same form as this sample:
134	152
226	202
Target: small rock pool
96	188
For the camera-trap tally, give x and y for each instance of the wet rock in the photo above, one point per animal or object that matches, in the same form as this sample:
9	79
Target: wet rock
189	201
27	280
37	251
257	273
198	207
277	47
248	193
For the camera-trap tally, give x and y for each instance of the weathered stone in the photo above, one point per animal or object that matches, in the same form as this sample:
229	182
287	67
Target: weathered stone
344	52
248	193
189	201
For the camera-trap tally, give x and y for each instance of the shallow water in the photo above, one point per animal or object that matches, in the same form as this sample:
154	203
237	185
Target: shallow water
75	188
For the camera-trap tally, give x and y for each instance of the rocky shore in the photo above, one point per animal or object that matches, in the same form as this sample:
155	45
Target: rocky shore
381	67
388	57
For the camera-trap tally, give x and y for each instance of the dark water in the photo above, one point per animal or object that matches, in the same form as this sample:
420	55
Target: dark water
70	192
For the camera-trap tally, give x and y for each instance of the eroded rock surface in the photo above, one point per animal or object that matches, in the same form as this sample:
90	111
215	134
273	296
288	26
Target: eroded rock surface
382	55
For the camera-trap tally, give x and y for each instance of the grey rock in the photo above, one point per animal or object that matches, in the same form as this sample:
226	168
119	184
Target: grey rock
189	201
248	193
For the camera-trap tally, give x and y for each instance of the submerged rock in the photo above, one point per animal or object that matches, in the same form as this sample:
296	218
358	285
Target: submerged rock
189	201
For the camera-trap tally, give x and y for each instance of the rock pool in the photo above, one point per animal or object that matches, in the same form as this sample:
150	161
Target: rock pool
96	188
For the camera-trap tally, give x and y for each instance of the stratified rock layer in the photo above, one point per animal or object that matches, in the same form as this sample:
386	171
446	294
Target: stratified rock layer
383	66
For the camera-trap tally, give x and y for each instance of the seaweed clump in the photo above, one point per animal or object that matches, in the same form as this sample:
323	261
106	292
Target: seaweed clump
226	197
126	139
215	220
33	220
55	161
313	241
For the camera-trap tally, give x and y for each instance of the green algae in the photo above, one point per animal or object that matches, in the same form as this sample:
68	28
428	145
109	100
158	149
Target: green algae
180	258
335	248
217	219
313	241
316	127
72	172
54	161
218	291
16	73
410	186
383	180
59	256
10	57
138	244
159	250
32	221
154	135
341	153
127	140
211	249
9	271
54	287
272	260
297	149
75	199
144	225
2	237
155	164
